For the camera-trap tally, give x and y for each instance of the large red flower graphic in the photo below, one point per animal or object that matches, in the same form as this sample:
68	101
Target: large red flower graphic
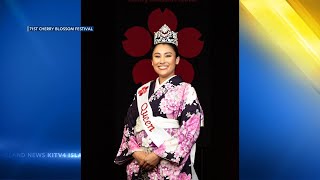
139	41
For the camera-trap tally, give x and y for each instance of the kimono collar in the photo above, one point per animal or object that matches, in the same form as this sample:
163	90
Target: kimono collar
158	85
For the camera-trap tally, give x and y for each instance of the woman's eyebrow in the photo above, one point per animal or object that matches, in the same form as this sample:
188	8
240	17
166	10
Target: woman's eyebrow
164	53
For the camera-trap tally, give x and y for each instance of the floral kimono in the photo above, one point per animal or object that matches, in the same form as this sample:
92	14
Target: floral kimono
173	100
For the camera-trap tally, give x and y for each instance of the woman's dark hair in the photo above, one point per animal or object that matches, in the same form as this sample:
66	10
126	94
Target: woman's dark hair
174	47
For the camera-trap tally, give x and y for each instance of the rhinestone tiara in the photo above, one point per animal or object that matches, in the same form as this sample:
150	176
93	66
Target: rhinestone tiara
165	35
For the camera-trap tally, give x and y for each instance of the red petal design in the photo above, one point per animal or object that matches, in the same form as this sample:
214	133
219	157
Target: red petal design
143	72
138	41
156	19
185	70
189	44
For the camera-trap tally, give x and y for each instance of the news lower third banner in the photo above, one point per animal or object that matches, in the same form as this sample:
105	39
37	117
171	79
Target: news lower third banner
40	155
60	28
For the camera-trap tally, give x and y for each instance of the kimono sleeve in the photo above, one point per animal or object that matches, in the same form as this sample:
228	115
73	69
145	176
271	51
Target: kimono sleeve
188	133
128	142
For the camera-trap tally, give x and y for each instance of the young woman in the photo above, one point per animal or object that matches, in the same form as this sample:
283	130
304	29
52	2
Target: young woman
163	122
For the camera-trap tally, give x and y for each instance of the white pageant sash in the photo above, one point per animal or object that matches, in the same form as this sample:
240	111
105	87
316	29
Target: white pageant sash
159	122
153	128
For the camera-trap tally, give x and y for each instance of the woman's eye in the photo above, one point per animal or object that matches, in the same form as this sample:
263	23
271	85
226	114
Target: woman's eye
168	56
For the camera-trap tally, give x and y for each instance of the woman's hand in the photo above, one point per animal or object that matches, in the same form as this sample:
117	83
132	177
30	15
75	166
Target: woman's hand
151	161
140	157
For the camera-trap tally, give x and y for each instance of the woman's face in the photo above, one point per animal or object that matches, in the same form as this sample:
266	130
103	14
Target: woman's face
164	60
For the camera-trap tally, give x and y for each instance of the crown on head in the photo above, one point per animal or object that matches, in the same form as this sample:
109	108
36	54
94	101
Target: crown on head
165	35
